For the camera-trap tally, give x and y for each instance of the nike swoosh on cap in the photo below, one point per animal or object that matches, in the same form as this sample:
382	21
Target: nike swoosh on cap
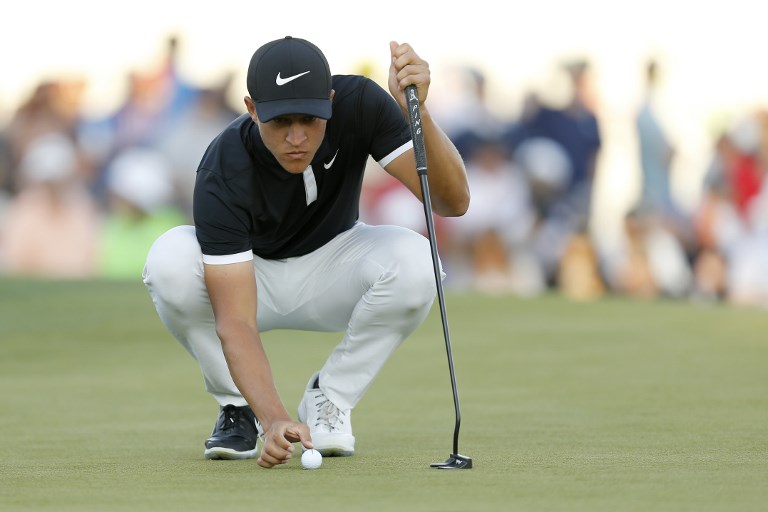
282	81
329	164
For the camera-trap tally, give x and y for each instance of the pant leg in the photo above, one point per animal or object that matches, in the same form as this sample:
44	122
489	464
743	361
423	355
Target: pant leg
375	283
174	278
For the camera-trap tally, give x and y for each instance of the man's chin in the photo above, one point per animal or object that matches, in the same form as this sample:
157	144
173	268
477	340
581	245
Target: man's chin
295	167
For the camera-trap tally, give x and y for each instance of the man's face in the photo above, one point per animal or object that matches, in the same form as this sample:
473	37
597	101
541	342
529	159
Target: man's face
293	139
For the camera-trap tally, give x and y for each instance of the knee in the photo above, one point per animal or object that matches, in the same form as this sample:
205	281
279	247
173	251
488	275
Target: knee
173	262
413	271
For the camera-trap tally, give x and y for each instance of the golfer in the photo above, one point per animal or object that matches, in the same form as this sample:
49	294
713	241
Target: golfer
277	244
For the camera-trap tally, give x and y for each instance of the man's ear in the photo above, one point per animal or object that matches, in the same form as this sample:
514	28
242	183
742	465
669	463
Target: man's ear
251	108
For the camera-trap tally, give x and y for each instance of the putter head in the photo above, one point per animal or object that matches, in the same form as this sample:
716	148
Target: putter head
455	461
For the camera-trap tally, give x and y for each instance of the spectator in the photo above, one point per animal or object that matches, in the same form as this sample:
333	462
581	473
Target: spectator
575	128
189	134
651	262
656	150
51	227
43	112
548	170
140	188
729	221
474	121
154	103
495	233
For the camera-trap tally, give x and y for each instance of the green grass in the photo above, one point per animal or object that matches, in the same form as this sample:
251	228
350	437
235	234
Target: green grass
614	405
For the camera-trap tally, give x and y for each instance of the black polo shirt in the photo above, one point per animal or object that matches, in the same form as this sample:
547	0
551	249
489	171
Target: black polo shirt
245	203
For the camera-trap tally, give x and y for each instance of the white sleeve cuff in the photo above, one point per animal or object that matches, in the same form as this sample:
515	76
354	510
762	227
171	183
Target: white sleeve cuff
396	153
227	259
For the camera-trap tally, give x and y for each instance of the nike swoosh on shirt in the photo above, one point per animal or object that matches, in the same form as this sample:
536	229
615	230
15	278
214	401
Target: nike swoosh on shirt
329	164
282	81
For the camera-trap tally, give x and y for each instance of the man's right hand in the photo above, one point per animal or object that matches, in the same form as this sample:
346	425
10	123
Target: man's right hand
278	442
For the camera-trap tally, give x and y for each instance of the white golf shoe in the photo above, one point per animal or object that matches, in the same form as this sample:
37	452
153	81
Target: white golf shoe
331	427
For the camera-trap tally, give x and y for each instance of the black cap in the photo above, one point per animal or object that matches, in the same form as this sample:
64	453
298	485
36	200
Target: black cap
290	76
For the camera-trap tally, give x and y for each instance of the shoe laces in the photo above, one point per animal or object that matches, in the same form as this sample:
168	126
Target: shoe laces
328	414
231	417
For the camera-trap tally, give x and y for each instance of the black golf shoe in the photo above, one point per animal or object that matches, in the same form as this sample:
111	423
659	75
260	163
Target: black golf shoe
235	435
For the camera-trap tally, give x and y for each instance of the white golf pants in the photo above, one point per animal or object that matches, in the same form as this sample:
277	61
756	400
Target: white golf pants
374	283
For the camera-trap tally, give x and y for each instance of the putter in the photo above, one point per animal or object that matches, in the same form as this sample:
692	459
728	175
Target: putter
455	461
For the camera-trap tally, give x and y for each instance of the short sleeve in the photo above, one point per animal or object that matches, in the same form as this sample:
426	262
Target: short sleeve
222	221
389	131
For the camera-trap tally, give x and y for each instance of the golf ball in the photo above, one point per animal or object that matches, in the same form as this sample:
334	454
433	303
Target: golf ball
311	459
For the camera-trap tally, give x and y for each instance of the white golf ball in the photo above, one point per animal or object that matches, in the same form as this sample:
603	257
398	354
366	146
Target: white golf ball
311	459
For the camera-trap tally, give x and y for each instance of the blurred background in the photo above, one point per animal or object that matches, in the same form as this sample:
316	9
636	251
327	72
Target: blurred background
611	148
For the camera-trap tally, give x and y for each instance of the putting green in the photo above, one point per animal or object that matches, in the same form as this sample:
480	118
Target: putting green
614	405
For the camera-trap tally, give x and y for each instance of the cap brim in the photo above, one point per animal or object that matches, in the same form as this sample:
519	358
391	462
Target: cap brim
268	110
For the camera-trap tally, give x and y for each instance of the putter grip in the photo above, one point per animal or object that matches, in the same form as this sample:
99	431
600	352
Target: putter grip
417	134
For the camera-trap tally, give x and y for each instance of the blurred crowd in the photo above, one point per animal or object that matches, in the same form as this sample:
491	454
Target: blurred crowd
530	225
85	198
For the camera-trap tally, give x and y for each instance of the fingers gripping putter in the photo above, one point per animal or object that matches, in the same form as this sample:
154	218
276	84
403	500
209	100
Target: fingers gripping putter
455	461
